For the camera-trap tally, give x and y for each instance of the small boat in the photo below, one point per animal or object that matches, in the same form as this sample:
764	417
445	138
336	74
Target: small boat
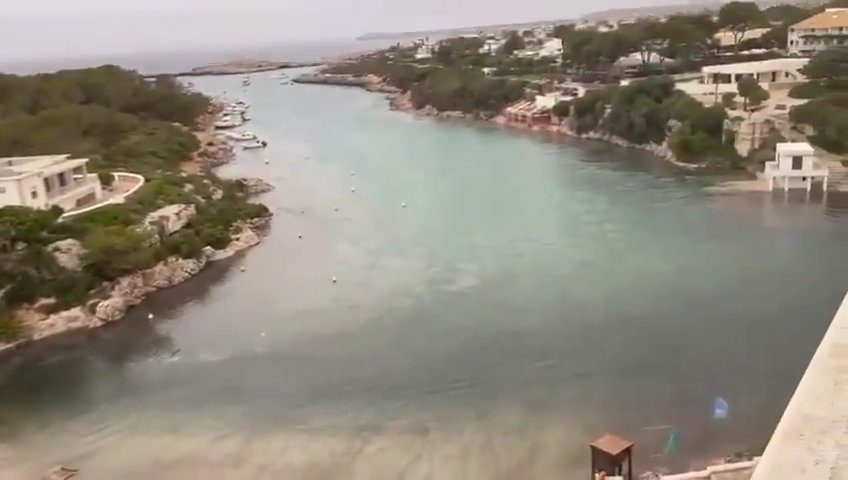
255	144
228	122
241	136
245	116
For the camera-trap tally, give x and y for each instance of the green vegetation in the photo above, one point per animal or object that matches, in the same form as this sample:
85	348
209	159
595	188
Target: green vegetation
751	92
466	90
643	112
738	18
120	121
827	112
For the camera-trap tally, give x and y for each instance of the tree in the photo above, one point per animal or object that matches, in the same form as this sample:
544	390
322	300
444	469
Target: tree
828	65
728	99
751	92
513	42
562	109
738	18
786	14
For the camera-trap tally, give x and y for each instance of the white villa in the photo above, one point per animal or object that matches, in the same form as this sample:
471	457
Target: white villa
424	52
48	180
717	79
795	165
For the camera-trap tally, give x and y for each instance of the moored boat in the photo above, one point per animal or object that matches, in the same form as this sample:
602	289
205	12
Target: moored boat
255	144
241	136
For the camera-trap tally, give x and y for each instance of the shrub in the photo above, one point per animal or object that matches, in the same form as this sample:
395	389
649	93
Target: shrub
11	328
184	244
728	99
106	179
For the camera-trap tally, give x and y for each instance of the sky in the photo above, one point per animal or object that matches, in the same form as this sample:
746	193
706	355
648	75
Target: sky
35	29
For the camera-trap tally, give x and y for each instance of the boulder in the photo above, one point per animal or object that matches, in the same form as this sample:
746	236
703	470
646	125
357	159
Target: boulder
254	186
68	253
170	219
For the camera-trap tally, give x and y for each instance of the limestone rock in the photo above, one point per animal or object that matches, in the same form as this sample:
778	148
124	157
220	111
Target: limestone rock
68	253
244	239
73	319
171	218
111	309
254	186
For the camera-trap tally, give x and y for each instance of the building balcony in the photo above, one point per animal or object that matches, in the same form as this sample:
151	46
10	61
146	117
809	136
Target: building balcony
77	193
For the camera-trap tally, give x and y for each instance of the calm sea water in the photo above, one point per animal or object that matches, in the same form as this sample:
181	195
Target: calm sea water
532	295
184	60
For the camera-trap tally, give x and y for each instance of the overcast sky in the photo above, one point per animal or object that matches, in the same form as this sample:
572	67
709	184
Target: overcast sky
52	28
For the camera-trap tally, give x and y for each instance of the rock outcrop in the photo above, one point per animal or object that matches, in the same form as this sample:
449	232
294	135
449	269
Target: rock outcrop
68	253
245	236
170	219
254	186
131	290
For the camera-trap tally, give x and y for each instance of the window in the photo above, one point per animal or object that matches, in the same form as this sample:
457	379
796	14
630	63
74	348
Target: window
33	194
797	162
63	180
2	190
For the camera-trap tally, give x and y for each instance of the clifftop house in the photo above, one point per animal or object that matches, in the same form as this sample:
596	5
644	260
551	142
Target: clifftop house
48	180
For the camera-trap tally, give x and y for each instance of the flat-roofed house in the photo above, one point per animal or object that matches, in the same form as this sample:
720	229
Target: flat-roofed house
48	180
795	165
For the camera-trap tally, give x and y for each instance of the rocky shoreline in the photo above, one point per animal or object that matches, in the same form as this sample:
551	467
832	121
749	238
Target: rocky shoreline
403	103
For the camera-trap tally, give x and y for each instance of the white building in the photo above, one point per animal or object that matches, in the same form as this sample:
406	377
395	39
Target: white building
424	52
819	32
48	180
718	79
551	48
795	165
564	93
491	46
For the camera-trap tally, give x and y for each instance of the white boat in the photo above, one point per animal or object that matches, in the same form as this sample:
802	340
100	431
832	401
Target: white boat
228	122
255	144
245	116
241	136
241	103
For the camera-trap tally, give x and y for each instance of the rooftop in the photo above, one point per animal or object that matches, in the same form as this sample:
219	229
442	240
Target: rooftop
795	147
761	66
727	38
12	167
832	17
612	444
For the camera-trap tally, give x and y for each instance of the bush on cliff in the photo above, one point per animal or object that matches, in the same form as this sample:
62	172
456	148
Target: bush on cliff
465	90
642	112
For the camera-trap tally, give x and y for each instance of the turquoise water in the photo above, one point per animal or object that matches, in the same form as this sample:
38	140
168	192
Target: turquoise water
532	295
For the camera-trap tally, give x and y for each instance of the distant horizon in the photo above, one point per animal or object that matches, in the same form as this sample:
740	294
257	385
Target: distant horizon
55	30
